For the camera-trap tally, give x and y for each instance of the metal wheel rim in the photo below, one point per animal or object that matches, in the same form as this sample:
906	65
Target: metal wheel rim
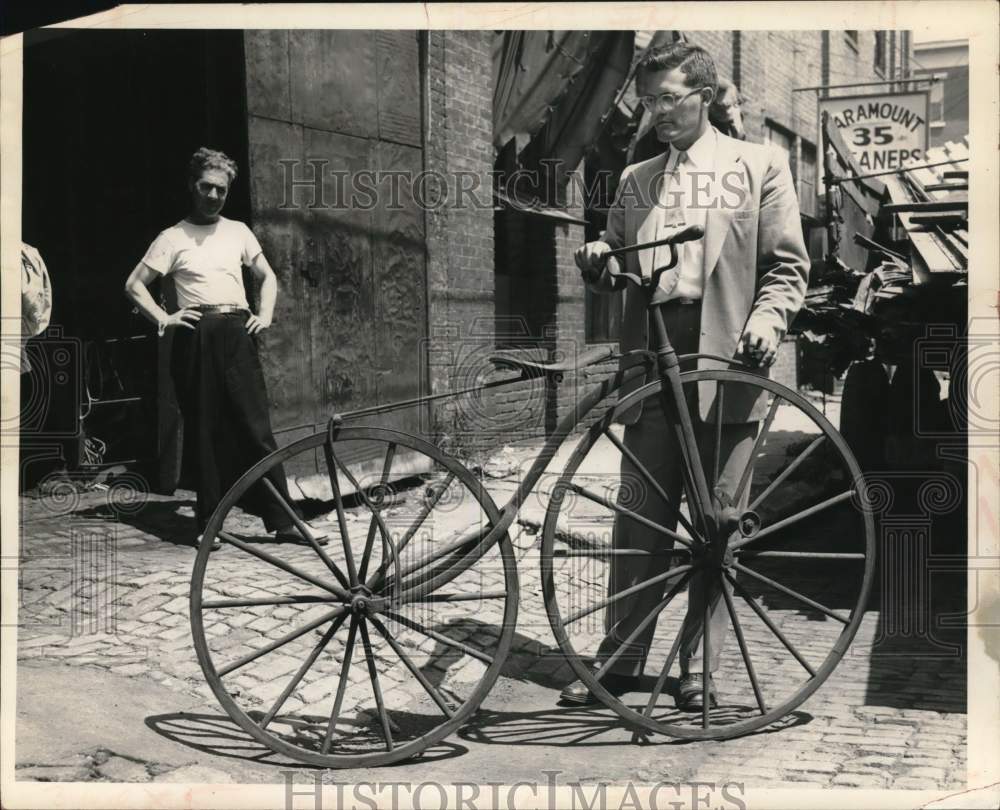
466	709
844	639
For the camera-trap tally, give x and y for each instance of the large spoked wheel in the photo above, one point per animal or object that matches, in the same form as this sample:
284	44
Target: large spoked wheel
774	574
370	647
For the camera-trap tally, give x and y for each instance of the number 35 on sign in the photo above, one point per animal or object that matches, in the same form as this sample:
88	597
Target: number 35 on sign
884	131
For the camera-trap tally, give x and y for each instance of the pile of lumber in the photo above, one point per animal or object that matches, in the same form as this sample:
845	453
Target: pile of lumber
912	227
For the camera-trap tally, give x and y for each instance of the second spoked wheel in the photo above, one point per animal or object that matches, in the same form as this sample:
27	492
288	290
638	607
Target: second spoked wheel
372	647
633	574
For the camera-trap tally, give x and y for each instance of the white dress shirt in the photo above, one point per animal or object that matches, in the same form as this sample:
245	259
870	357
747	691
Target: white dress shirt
679	185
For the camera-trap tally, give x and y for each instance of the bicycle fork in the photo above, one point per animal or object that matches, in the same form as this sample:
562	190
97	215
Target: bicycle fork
711	521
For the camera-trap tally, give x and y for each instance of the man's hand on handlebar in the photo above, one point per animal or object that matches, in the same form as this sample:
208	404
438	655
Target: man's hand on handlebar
591	258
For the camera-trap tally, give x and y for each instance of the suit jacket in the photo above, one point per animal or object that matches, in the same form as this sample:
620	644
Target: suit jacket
756	264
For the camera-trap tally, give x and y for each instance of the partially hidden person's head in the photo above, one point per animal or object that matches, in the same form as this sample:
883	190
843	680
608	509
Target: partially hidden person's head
725	113
210	173
677	83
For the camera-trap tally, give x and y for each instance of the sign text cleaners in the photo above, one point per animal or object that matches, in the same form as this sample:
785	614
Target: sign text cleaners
883	131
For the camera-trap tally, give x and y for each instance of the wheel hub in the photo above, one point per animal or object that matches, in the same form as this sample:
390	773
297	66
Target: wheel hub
361	600
749	523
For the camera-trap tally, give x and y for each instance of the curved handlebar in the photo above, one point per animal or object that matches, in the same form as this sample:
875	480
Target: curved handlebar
687	234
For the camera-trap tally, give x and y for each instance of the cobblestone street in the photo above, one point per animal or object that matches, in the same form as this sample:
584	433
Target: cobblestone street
104	600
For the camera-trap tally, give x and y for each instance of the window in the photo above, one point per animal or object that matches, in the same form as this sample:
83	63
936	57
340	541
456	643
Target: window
936	108
880	52
780	137
806	177
801	155
852	39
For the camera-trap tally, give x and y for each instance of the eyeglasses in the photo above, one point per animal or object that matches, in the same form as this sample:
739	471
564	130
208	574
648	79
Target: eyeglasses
666	101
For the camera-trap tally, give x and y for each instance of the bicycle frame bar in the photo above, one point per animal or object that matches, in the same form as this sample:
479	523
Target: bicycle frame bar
674	407
486	537
672	401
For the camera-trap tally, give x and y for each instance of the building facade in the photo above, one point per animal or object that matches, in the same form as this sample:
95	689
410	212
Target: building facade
395	297
946	61
768	67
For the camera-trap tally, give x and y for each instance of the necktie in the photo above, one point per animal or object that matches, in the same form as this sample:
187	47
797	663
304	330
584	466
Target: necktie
672	216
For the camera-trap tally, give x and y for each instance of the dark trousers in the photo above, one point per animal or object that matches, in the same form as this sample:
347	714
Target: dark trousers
221	391
656	447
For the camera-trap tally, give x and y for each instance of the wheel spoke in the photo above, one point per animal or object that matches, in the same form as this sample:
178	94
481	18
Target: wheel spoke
699	511
719	398
649	479
788	521
612	659
788	471
390	453
413	668
427	509
275	600
345	669
738	630
459	597
673	572
798	555
306	534
593	496
284	566
331	471
376	687
434	634
792	593
474	536
758	443
379	579
285	639
662	679
300	674
770	624
706	643
371	508
599	553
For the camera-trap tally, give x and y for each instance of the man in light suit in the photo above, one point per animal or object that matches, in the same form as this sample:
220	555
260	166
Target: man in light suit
733	293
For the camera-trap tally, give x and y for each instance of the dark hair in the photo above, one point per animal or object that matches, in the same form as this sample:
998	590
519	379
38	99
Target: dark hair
206	158
694	62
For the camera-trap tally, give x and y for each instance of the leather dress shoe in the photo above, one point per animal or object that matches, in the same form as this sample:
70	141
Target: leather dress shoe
689	692
578	693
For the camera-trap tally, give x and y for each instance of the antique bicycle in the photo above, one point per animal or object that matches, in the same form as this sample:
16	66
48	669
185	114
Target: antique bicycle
381	643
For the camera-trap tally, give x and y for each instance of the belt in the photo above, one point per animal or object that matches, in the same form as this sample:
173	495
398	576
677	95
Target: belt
683	302
219	308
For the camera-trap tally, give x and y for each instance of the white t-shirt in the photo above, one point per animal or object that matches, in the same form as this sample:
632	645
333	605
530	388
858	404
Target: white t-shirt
205	260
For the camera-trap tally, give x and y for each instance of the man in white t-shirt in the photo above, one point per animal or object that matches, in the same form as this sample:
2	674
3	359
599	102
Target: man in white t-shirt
214	363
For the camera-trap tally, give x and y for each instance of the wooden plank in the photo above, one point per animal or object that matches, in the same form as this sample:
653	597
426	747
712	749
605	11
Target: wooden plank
933	257
947	187
938	219
925	207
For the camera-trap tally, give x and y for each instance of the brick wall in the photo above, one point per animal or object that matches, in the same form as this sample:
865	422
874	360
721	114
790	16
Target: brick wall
540	280
458	127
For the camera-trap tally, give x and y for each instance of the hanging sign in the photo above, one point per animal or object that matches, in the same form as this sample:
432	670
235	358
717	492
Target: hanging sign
884	131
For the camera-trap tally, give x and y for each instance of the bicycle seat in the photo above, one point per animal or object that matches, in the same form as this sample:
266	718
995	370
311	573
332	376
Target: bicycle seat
533	369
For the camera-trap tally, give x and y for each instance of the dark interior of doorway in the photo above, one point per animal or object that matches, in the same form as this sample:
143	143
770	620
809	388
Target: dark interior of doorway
110	120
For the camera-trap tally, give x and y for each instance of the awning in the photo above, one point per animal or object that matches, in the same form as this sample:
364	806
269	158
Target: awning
553	91
536	208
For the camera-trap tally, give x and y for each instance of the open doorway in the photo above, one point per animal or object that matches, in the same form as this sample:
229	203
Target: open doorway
110	120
